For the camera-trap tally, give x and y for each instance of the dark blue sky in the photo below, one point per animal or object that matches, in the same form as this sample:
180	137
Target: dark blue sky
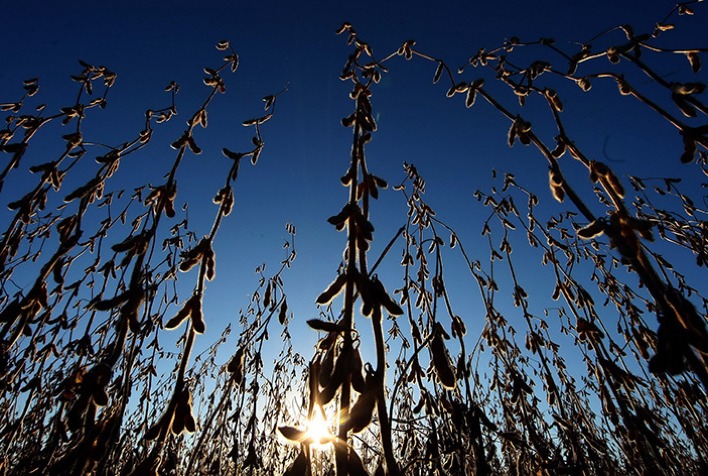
149	43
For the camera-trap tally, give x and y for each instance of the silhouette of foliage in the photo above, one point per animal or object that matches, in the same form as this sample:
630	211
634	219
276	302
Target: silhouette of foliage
94	380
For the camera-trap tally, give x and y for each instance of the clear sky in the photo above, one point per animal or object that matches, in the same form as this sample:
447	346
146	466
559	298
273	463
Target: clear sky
149	43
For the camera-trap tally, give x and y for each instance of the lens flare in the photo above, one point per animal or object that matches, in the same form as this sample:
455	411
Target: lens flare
318	430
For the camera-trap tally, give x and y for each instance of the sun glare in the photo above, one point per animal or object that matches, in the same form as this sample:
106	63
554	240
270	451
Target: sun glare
318	430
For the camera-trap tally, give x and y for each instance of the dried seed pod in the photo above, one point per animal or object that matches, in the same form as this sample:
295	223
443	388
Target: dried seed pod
198	324
161	426
255	155
181	142
326	368
66	227
193	256
613	55
327	393
369	300
471	96
132	244
225	197
521	129
558	152
56	178
130	310
236	364
257	121
643	227
341	368
73	140
182	314
382	296
588	330
169	207
326	326
154	195
593	229
95	185
438	72
346	179
196	150
644	338
210	263
614	184
369	186
346	26
183	419
419	406
107	304
511	136
292	433
57	271
556	184
519	386
332	290
283	312
584	84
408	49
358	382
685	89
361	413
694	60
328	341
624	88
553	99
686	108
232	155
188	264
441	359
689	148
200	117
458	327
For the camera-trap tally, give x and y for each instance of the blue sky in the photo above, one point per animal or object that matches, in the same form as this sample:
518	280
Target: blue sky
297	180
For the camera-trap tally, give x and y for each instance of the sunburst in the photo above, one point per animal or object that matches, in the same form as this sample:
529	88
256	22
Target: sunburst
318	430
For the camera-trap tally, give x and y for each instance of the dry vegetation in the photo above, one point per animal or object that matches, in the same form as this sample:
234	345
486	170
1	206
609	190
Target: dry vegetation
88	387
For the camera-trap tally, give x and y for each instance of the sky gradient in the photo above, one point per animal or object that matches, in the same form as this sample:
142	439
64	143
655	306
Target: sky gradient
297	180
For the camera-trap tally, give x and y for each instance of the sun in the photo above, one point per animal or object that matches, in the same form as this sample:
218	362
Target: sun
318	431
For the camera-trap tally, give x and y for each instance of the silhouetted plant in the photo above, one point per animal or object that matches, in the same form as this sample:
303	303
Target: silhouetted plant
86	384
72	353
